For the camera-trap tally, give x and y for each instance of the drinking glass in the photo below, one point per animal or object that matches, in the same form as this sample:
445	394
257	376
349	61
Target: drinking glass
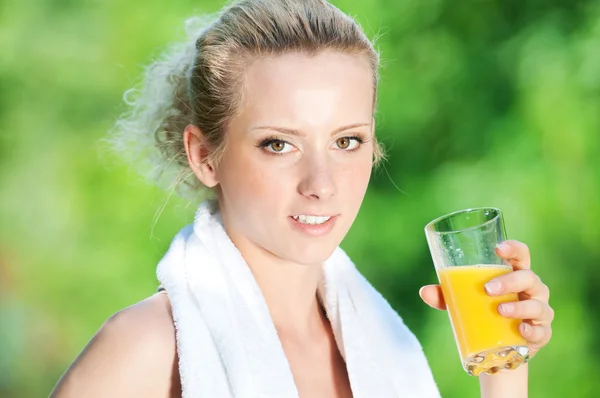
462	246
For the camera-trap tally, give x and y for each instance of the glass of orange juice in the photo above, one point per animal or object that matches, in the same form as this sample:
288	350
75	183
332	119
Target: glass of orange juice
462	246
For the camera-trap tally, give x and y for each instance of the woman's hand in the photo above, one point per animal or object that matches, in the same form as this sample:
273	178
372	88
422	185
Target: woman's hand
532	306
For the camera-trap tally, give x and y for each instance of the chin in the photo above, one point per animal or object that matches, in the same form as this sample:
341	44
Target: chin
311	254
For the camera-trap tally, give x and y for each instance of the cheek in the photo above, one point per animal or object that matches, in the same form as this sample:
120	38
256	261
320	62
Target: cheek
250	182
354	178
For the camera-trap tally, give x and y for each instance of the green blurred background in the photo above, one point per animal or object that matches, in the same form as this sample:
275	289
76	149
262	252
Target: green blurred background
482	103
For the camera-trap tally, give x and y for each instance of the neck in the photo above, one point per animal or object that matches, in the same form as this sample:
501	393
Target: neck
289	289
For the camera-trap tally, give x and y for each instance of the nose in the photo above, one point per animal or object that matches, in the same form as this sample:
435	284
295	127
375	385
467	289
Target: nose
318	180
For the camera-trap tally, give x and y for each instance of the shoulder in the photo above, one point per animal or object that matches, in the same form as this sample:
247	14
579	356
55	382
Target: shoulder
149	321
133	354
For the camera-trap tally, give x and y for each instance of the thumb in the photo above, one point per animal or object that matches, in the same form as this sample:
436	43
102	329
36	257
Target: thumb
432	296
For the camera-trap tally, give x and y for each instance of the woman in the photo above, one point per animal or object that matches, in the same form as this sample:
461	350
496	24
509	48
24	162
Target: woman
270	107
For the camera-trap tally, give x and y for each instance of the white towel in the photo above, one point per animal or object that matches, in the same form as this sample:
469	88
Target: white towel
227	342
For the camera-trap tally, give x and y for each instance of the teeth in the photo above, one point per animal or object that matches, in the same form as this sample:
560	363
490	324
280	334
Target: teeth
311	219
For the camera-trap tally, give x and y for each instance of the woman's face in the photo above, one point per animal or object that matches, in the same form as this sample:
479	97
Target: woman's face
298	157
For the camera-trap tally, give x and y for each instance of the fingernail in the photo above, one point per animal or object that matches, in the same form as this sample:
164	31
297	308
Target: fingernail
503	247
507	308
493	286
526	329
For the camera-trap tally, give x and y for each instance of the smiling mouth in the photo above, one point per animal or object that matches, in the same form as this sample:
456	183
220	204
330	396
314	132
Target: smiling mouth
311	220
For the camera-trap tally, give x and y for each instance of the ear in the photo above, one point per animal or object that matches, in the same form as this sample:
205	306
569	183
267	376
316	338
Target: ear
197	154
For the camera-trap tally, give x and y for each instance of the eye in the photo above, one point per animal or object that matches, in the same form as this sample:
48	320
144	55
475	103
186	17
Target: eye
348	143
276	146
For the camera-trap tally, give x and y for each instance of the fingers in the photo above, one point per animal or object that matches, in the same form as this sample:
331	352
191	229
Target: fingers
537	312
537	335
538	317
515	253
520	281
432	296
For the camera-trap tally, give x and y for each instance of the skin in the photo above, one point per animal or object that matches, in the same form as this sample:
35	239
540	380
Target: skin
532	307
312	105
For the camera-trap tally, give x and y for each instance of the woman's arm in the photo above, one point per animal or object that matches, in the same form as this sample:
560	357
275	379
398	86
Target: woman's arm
132	355
505	384
532	306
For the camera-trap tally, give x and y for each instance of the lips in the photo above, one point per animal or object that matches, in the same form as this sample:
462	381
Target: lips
313	229
309	219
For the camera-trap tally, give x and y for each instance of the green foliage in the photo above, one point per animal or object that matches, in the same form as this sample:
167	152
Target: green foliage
481	104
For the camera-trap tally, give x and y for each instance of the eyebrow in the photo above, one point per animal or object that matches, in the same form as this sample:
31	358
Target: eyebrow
299	133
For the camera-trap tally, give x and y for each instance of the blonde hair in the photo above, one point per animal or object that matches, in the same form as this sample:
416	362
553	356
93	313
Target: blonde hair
199	81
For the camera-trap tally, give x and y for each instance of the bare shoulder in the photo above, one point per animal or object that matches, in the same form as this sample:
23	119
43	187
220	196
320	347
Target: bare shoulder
133	354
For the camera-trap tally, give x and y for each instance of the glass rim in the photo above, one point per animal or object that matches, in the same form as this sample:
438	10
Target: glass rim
429	229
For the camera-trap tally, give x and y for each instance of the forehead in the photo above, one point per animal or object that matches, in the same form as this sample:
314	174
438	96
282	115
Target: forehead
296	88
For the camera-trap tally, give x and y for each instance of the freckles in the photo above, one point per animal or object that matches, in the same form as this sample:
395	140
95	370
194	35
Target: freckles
242	177
355	177
253	179
262	182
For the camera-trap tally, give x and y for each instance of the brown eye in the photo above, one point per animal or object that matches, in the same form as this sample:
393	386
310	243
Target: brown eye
343	143
277	146
349	143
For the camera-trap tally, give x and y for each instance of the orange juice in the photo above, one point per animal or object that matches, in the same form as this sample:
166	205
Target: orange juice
477	325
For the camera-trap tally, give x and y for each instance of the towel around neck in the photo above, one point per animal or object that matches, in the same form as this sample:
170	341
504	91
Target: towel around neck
228	345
